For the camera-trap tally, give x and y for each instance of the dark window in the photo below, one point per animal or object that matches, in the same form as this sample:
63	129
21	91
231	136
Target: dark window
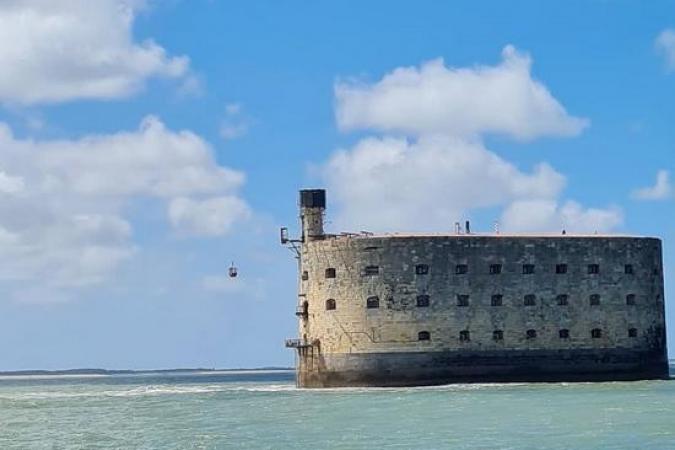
495	269
528	269
560	268
593	269
562	299
330	272
372	270
628	269
531	334
464	336
462	300
594	299
423	336
373	302
630	299
422	301
330	304
421	269
596	333
564	334
461	269
497	300
632	332
530	300
498	335
305	276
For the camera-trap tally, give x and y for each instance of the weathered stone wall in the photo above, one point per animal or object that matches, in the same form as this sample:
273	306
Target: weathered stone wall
352	328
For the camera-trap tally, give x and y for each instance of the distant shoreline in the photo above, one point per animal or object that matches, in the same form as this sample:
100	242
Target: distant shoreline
105	372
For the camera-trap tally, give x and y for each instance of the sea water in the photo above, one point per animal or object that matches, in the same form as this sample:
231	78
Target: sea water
252	410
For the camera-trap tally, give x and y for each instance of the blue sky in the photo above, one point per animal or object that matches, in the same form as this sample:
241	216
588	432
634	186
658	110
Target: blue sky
147	144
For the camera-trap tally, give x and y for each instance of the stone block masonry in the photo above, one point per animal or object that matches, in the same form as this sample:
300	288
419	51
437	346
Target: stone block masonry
397	310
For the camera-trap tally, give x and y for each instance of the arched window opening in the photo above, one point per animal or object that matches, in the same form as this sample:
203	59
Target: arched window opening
564	333
373	302
305	275
497	300
531	334
464	336
423	336
530	300
330	304
462	300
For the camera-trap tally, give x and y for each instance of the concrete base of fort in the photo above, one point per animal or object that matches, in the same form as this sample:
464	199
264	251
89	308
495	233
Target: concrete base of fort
434	368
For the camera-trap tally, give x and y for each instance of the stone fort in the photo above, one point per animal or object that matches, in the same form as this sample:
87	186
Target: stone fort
422	309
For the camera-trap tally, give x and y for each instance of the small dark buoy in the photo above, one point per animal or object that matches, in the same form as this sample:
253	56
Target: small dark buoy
232	271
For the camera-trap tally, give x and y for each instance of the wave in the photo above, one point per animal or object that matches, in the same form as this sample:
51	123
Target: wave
144	391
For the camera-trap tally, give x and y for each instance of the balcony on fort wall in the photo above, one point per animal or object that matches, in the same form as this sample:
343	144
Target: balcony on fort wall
297	343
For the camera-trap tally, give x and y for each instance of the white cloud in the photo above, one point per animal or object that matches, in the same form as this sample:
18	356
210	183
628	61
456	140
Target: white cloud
389	183
661	190
62	202
59	50
442	171
10	184
211	217
665	45
537	215
234	125
151	161
434	98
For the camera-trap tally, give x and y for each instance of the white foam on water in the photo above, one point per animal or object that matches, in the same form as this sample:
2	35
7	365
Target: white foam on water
145	391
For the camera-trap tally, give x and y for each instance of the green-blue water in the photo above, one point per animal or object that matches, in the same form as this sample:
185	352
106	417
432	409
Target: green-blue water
266	411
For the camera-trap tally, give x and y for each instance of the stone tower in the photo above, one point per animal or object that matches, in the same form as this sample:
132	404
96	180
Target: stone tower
312	207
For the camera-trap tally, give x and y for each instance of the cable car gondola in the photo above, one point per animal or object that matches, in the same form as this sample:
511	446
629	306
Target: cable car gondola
232	271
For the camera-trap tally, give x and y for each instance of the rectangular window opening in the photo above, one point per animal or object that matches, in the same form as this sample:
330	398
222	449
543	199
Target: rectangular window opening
371	270
421	269
461	269
422	301
530	300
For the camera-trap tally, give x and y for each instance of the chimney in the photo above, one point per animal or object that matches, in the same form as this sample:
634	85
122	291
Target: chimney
312	207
